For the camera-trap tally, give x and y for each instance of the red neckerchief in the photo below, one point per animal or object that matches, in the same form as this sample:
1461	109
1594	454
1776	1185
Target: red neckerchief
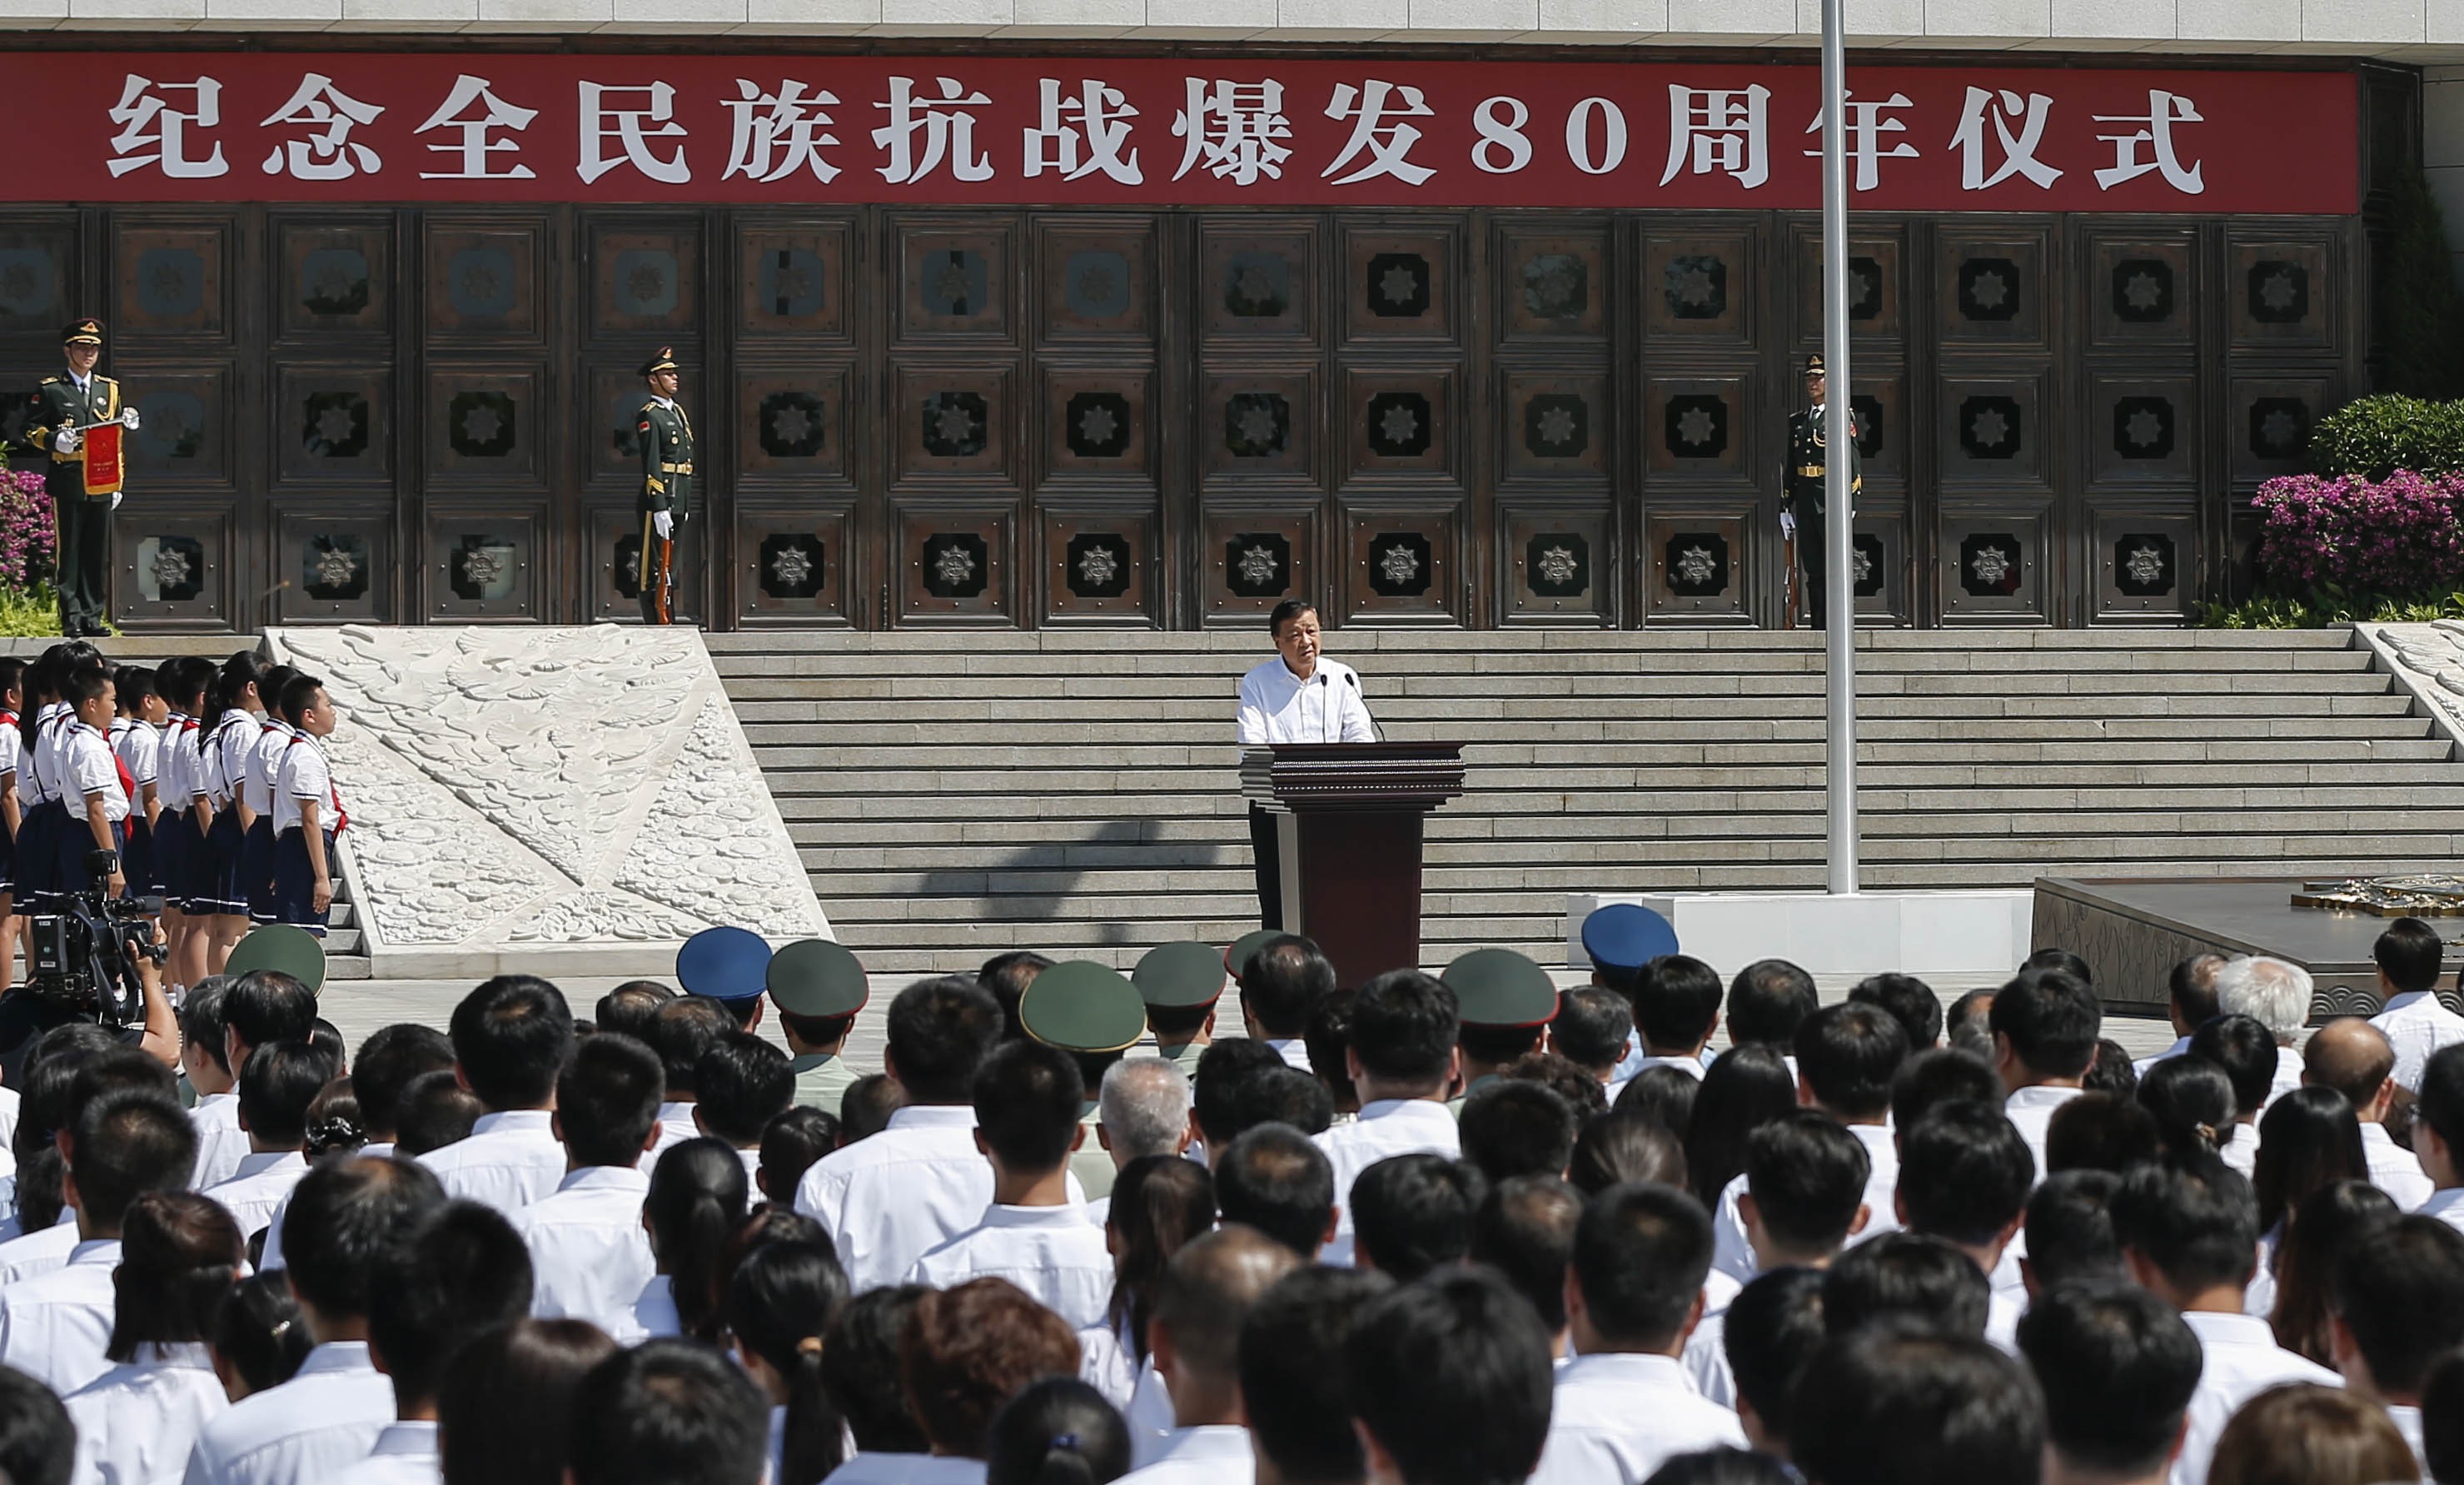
333	795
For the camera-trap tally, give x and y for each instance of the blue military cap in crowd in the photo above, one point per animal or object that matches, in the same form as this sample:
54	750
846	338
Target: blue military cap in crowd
1082	1006
724	964
1626	936
1180	975
817	979
1236	958
1499	987
293	950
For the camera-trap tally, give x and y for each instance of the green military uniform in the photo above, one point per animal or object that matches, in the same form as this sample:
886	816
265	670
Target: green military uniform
667	438
1092	1013
816	980
822	1082
1501	990
1808	449
82	521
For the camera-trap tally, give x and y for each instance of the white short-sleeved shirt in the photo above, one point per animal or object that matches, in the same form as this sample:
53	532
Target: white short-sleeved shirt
890	1199
2417	1025
92	770
2447	1205
221	1144
2032	1110
510	1160
1278	706
2240	1359
305	1431
265	762
405	1453
12	751
1054	1253
42	1251
1211	1454
258	1190
651	1314
226	755
303	776
140	748
175	775
53	1327
137	1423
2393	1168
45	761
1387	1127
587	1248
1616	1418
1733	1253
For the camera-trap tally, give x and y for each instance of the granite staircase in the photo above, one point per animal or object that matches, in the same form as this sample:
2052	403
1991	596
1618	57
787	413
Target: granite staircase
958	794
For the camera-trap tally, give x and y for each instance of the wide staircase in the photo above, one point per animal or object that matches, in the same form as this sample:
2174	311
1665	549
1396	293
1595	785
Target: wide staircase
959	794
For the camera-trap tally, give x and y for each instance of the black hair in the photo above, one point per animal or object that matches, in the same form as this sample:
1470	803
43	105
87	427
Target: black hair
1180	1020
2112	1072
1296	1379
2400	1290
2070	1228
232	681
1642	1252
2246	1050
1217	1084
2442	1418
1285	612
1498	1045
860	1370
296	694
1768	1001
258	1332
37	1441
1524	1229
434	1111
268	1006
780	1306
2101	1131
681	1030
12	673
129	1141
1008	976
325	1033
1410	1213
1913	1275
2410	953
201	1019
334	1121
1514	1128
1807	1175
631	1007
276	1087
2195	1224
1280	1095
1663	1095
505	1408
1907	1000
741	1084
1594	1026
791	1144
1891	1405
1771	1329
669	1412
1328	1037
1283	980
1746	1089
2061	961
134	683
1274	1177
1403	1026
2052	1020
1056	1431
1452	1377
2191	1099
1675	1000
2325	1225
2117	1366
1723	1467
1965	1173
608	1100
1848	1054
1625	1145
2306	1140
1579	1086
940	1033
459	1270
342	1215
180	1254
86	683
510	1037
388	1061
865	1107
1942	1076
2439	1103
698	1194
1027	1102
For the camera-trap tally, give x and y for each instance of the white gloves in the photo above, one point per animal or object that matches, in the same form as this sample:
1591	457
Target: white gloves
1787	526
128	419
67	441
115	499
662	523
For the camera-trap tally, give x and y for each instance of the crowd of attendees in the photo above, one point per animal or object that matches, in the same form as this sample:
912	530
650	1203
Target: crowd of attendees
1875	1241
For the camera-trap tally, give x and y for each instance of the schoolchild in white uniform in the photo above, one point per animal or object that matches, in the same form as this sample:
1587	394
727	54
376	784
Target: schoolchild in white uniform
273	734
94	787
225	748
136	741
139	1421
44	818
12	752
308	814
180	835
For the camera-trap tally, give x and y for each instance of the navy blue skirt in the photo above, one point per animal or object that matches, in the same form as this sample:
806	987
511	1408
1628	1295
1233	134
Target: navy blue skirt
221	890
137	856
35	882
294	881
76	844
175	837
256	869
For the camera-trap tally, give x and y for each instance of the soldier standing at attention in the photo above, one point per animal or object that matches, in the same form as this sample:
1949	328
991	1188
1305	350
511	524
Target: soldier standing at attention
64	405
666	440
1801	510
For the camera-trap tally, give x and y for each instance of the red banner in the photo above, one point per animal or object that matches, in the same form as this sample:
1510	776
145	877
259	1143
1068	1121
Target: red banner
1162	131
103	472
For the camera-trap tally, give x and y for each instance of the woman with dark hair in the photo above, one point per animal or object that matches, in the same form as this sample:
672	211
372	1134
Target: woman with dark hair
860	1374
969	1349
2307	1139
1662	1095
1746	1089
1161	1202
179	1256
334	1121
780	1306
1059	1432
259	1339
2193	1100
695	1203
2325	1224
504	1409
1625	1145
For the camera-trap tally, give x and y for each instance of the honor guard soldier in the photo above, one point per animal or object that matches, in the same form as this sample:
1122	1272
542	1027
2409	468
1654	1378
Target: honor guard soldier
284	947
1801	502
667	439
1090	1012
818	988
64	407
1506	1002
1620	940
1181	984
730	965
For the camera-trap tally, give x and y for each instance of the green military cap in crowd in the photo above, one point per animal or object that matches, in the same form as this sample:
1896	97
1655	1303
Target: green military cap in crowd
1500	987
1180	974
1236	958
293	950
1084	1006
814	977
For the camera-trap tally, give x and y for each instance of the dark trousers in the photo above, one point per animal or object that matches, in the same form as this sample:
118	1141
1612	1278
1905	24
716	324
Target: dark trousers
1266	848
648	576
1810	553
85	525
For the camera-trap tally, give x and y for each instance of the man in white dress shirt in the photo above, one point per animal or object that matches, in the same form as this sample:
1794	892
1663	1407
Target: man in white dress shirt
1806	1196
1206	1295
1143	1109
2191	1003
741	1083
276	1087
2397	1305
1283	976
128	1142
1027	1102
510	1037
2411	955
1634	1294
1403	1059
2045	1025
683	1029
1846	1056
1298	697
2247	1052
1675	1009
328	1416
589	1256
264	1005
388	1061
2118	1368
1965	1174
672	1409
221	1144
2277	995
1936	1405
2437	1137
2355	1058
1449	1379
2191	1240
459	1272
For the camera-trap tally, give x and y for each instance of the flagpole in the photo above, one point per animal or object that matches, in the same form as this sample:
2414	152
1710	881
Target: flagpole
1838	528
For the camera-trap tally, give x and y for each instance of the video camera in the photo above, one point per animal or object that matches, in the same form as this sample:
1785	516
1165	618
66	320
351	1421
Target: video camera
84	958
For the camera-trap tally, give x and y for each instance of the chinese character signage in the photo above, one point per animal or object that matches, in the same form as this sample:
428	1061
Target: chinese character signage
1159	131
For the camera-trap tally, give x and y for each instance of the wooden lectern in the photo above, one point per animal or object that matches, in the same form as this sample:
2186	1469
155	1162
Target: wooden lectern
1349	826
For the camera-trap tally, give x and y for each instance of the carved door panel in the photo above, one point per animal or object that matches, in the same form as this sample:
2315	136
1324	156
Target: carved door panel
797	441
1898	494
336	453
1095	438
1711	434
1260	418
2007	459
491	415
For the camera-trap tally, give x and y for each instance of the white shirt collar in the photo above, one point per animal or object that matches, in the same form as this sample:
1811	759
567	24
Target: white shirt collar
1065	1216
413	1437
2042	1096
258	1161
934	1116
1424	1110
337	1356
513	1120
605	1178
1206	1441
91	1251
1641	1368
2218	1329
2441	1202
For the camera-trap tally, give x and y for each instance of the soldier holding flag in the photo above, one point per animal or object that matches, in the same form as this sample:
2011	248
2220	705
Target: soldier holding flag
667	439
1801	499
77	421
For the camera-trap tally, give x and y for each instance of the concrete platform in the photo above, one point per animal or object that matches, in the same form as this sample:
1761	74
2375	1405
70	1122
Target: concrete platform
1978	932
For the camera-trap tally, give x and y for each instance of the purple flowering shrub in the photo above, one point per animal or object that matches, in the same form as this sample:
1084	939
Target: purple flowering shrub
27	540
2401	535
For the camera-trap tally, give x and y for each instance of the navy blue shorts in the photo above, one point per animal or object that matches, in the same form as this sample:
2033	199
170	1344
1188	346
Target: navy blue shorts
174	837
256	869
295	882
77	843
220	890
137	856
37	880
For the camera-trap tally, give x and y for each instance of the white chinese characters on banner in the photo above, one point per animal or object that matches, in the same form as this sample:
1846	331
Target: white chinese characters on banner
1864	131
150	123
1081	135
1234	129
474	112
773	135
1719	129
2018	151
1369	107
2155	131
328	152
945	124
632	117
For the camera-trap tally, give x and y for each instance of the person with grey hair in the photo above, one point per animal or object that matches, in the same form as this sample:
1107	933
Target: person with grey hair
2277	995
1143	1109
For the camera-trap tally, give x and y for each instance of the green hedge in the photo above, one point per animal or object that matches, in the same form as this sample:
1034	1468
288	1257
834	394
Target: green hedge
2375	436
